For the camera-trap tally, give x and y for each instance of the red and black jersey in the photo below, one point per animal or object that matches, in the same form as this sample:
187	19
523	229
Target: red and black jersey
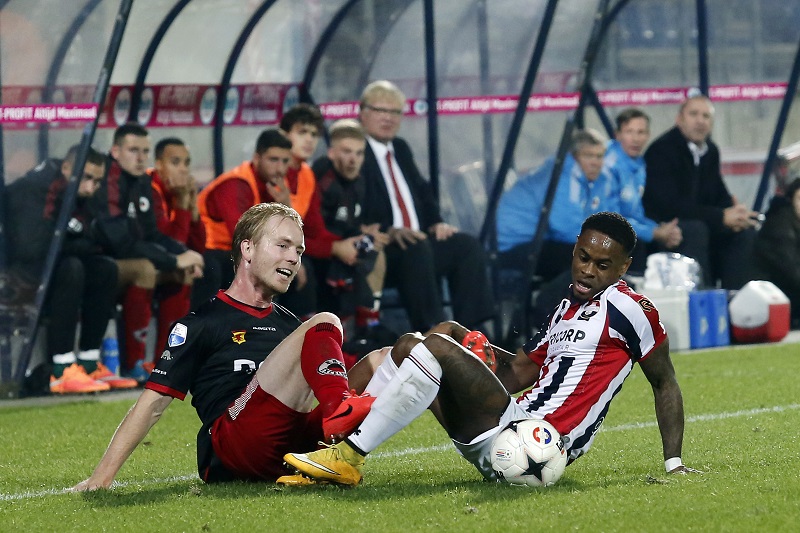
214	352
123	208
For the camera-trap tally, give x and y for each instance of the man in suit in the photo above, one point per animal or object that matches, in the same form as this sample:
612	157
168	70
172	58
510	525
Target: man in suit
684	182
423	248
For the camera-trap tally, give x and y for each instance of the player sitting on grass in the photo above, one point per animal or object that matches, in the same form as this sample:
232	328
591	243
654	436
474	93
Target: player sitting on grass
574	368
252	367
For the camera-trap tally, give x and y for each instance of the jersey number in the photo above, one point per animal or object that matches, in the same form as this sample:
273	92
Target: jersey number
243	364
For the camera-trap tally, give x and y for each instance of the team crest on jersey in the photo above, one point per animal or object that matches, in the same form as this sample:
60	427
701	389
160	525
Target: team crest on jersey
238	336
646	305
177	336
332	367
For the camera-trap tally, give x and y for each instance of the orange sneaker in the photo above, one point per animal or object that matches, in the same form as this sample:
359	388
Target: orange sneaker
75	380
104	375
350	413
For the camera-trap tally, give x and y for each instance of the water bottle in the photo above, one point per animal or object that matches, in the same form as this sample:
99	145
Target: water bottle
109	353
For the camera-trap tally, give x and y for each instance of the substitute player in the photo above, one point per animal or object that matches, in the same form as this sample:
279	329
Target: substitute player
253	369
574	368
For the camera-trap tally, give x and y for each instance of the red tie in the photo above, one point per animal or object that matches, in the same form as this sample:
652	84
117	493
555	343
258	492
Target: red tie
400	203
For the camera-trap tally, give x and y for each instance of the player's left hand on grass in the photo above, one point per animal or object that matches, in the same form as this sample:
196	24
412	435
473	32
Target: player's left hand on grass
683	469
477	343
87	485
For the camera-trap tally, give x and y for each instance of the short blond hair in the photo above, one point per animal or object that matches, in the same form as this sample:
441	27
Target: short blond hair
346	128
251	224
380	89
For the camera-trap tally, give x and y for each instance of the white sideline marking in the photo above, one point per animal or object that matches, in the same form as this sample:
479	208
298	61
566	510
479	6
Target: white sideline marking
718	416
417	451
623	427
58	492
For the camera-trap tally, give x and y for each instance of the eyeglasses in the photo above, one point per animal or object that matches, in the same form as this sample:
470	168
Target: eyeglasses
384	110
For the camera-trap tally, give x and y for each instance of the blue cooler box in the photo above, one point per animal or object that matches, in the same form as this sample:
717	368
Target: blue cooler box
708	319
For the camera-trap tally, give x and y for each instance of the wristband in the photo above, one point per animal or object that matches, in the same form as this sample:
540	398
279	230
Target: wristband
672	463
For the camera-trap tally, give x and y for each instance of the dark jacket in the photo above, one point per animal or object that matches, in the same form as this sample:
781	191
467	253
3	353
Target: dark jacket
126	223
33	204
675	187
377	205
777	247
341	199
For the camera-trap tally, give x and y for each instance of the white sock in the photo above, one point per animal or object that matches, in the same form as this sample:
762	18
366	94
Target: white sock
65	358
89	355
403	399
384	373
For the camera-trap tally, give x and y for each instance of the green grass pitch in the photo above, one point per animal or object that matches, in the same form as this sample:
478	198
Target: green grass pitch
743	414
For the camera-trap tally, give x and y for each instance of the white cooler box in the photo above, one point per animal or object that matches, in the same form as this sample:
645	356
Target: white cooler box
760	312
673	308
693	319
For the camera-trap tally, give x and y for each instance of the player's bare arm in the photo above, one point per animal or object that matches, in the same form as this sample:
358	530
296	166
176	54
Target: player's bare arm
515	372
450	328
658	370
134	427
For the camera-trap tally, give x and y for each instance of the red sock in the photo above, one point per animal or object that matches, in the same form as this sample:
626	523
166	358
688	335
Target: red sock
173	305
323	366
136	313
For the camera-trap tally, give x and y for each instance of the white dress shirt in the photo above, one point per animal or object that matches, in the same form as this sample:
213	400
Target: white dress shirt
380	150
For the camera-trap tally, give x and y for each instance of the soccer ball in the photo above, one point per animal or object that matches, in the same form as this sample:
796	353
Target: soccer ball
529	452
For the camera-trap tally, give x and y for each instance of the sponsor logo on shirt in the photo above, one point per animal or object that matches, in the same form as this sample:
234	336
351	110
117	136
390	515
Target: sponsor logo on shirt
567	335
167	355
177	336
238	336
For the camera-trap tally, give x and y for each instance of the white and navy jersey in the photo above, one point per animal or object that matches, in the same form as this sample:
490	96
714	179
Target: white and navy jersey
585	354
214	352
